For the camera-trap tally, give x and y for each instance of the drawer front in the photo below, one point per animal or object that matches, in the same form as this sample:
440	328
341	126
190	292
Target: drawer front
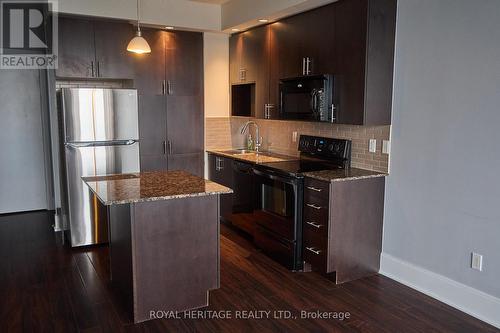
315	225
315	211
315	250
316	188
274	246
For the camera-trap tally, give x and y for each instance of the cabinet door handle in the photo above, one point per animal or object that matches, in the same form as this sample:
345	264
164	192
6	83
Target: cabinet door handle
304	66
243	74
313	250
169	87
314	206
170	150
317	226
164	147
308	64
219	164
92	68
98	69
334	113
163	88
314	189
270	107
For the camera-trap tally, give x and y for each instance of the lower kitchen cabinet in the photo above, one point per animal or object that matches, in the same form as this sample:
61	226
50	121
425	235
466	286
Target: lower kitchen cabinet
342	227
220	170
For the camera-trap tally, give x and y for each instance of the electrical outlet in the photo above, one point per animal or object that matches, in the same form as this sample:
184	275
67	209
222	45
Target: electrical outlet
294	136
373	146
386	147
477	262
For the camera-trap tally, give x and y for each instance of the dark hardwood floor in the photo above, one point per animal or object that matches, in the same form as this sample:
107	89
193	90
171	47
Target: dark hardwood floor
47	287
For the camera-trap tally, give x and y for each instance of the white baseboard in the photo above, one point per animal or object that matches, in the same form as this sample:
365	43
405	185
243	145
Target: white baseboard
464	298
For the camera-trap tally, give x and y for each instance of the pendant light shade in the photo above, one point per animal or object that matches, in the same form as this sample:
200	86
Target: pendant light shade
138	44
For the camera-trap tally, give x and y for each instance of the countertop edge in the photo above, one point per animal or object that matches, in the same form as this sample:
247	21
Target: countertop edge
343	179
159	198
220	152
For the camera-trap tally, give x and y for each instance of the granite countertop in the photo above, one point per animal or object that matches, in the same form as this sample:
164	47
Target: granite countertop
338	175
252	157
151	186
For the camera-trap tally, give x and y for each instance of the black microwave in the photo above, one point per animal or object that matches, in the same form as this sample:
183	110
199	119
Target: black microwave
308	98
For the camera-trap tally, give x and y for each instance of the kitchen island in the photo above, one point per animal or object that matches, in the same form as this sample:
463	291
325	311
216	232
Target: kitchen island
163	238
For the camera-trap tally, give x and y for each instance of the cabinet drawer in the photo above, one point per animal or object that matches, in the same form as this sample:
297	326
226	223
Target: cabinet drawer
274	246
315	211
315	250
317	187
314	225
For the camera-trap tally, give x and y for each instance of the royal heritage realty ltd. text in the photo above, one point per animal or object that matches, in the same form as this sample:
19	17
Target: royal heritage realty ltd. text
250	314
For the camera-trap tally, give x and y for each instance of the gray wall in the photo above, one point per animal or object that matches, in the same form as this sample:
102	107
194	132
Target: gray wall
443	194
23	135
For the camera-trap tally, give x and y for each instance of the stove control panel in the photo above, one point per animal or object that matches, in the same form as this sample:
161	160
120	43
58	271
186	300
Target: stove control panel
325	147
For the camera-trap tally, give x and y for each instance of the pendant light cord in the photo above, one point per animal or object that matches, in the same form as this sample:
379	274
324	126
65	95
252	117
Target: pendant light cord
138	24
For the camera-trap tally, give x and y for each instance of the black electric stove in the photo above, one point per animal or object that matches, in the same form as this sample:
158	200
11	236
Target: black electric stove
279	191
316	153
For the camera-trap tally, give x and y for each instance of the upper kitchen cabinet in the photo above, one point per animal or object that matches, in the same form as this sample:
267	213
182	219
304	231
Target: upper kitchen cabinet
113	59
94	49
364	38
249	65
76	48
184	63
351	39
149	68
303	44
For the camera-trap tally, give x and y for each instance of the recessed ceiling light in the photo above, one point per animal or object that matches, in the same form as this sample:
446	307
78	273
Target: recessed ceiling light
263	20
235	29
169	28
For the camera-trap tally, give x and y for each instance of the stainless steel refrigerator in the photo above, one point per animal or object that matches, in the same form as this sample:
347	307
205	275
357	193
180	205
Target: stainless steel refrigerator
100	136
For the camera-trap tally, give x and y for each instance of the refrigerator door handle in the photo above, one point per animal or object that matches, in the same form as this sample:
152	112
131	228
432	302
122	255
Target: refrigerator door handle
77	145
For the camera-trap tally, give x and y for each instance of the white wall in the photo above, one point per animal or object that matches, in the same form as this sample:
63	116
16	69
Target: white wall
216	68
178	13
443	194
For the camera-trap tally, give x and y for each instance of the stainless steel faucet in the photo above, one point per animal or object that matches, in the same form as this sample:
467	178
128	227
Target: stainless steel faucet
258	139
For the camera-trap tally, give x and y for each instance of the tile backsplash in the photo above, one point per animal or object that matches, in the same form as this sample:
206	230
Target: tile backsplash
277	135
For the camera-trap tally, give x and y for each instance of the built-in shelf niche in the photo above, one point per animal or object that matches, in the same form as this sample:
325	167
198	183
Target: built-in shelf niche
243	100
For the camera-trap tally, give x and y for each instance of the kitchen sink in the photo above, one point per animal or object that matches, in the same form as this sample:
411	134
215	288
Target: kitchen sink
242	152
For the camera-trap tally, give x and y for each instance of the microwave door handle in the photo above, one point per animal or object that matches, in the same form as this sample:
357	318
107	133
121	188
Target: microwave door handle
314	101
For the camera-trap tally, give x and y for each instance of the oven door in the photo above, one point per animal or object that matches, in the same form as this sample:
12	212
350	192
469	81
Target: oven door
275	206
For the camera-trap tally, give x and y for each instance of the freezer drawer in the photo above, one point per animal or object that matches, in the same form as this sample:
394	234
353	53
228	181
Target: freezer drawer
87	220
100	114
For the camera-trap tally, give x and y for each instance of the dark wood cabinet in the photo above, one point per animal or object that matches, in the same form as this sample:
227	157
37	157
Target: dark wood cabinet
76	48
149	68
153	132
235	56
250	66
170	85
192	163
220	170
342	227
112	58
351	39
94	49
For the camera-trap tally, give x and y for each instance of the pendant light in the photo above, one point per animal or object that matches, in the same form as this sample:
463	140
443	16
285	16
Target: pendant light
138	44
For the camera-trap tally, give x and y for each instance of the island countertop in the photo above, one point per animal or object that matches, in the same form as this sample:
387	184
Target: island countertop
151	186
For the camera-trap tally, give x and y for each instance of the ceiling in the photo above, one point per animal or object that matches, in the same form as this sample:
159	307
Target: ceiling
217	2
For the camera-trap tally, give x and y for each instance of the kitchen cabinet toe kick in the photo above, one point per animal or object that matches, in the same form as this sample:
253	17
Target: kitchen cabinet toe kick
164	255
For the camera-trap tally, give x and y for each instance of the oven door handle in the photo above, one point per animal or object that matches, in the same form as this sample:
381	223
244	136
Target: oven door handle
272	176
